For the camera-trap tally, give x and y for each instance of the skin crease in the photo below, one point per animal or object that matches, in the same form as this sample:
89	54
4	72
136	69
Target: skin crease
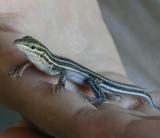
67	114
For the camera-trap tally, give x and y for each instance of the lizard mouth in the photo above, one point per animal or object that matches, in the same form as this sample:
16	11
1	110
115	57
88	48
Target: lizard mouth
16	41
23	48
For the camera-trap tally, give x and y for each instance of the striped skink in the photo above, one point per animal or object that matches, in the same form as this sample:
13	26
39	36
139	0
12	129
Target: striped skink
51	64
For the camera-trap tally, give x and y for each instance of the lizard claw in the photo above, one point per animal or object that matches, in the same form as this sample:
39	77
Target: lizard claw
93	100
96	101
15	74
58	88
18	71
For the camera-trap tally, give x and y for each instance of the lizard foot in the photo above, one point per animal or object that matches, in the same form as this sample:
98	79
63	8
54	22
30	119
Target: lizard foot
93	100
15	73
96	101
58	88
18	71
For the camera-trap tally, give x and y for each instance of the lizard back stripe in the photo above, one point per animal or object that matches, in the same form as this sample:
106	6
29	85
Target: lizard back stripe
64	63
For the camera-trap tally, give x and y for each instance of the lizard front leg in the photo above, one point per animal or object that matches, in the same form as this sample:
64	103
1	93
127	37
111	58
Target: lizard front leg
19	70
61	81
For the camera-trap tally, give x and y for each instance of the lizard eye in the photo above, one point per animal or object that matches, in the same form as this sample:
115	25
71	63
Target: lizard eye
33	47
42	55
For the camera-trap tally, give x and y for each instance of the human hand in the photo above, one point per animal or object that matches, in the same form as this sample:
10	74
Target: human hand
66	114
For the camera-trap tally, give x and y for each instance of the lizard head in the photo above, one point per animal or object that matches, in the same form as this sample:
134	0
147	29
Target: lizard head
33	49
28	44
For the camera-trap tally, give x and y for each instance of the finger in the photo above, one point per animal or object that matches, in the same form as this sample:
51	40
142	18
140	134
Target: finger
23	129
22	132
19	132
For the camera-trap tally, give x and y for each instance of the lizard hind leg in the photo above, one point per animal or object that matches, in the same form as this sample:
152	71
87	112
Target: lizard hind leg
99	95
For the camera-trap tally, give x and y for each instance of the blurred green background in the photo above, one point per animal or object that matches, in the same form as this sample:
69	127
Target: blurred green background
7	118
